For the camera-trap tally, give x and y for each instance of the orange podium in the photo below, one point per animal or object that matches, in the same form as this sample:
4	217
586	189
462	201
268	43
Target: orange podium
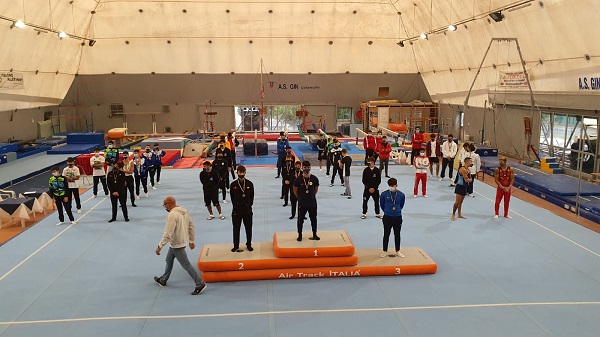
332	243
416	261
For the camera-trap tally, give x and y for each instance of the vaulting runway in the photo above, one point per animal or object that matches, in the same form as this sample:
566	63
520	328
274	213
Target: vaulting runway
534	275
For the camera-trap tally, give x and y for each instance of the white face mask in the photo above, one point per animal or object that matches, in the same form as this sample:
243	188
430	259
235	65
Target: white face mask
422	154
392	189
55	174
96	154
110	146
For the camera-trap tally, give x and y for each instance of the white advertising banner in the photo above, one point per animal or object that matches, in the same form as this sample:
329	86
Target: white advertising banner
515	79
11	81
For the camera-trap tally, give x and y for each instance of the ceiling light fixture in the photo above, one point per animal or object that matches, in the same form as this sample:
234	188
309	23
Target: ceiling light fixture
41	29
496	14
19	24
62	35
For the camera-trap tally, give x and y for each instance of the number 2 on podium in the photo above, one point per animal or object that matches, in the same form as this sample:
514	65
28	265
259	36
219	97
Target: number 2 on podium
241	266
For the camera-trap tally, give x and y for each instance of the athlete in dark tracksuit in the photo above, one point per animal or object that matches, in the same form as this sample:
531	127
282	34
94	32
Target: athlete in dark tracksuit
242	198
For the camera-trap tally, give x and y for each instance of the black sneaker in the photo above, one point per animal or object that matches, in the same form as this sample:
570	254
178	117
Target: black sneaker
291	217
112	220
299	238
198	290
234	249
285	205
160	282
250	249
314	237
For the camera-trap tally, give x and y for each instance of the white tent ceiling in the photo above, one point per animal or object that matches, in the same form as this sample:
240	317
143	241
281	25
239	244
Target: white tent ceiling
360	36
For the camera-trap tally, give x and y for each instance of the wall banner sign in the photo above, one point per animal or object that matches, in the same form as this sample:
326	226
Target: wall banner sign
11	81
514	79
292	86
589	83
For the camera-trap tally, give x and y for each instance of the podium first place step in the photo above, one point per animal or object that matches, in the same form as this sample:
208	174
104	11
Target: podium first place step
332	243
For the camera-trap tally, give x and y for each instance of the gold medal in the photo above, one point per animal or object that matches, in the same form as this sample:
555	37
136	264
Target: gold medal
306	191
393	208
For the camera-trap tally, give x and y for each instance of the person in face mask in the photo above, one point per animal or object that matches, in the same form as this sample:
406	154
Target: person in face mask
220	166
59	191
226	153
159	154
421	166
71	172
140	172
210	187
150	158
330	161
117	184
322	148
287	178
128	168
242	199
449	149
384	150
111	155
371	179
296	173
179	233
336	157
99	174
417	140
369	146
305	188
392	202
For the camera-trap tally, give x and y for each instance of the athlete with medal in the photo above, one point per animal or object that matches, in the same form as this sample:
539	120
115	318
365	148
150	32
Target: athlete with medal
392	202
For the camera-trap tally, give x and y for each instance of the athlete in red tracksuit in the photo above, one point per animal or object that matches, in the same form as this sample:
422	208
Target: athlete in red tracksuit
417	144
421	166
504	177
369	145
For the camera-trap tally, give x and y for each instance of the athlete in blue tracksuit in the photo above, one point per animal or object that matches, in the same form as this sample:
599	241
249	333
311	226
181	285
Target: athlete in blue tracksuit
391	203
282	144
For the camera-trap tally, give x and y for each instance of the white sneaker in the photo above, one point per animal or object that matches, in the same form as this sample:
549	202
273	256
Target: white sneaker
330	185
379	216
210	217
93	196
414	196
398	254
221	216
158	182
496	216
508	217
137	197
320	169
146	195
424	195
60	223
472	195
441	179
107	196
364	216
153	187
73	222
78	211
224	201
411	166
384	254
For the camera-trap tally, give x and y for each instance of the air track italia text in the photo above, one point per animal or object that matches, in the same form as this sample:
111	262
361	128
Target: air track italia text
331	273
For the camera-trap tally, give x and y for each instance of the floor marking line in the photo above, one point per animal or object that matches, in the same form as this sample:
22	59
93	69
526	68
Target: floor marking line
49	242
548	229
316	311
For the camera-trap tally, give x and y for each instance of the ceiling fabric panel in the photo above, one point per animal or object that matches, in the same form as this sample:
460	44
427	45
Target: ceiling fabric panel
320	37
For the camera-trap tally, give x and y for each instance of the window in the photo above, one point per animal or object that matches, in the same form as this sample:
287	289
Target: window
344	114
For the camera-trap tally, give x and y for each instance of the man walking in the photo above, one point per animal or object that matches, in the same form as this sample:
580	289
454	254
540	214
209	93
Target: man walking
210	187
179	231
58	189
242	199
71	172
504	178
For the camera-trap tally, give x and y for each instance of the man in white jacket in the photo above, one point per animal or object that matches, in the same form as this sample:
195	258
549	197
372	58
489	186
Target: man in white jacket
449	149
179	231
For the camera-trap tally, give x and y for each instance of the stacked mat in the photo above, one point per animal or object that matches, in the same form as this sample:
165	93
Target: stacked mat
286	258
